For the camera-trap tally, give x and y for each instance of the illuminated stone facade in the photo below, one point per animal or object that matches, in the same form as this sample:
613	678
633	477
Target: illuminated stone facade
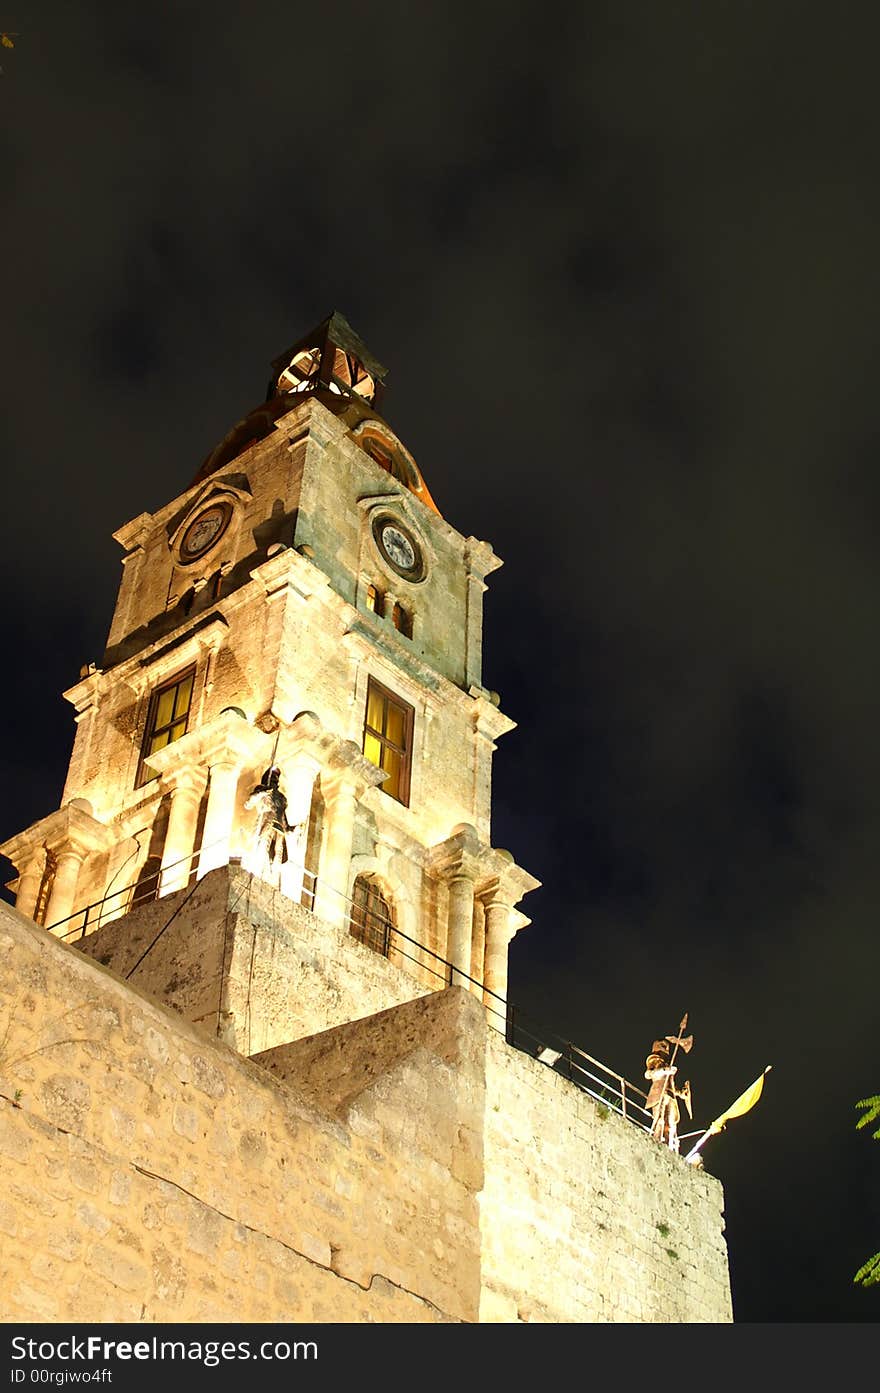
304	606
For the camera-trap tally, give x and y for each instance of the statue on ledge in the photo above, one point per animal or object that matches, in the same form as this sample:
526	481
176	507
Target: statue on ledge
272	829
662	1101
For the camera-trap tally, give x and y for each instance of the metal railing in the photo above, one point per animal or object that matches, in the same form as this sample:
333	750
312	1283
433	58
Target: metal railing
145	890
606	1086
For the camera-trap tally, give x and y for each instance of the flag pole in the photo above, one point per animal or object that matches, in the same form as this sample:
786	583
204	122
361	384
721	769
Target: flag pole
694	1149
714	1127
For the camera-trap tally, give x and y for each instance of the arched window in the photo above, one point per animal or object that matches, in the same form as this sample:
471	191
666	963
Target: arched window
147	884
371	916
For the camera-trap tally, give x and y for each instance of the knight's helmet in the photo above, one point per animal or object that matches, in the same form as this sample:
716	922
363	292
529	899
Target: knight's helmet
659	1055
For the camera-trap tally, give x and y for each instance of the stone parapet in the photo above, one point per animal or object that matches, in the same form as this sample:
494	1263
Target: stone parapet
249	965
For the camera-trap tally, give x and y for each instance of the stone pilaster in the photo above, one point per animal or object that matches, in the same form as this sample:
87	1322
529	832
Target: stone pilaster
340	799
460	926
300	772
499	896
344	779
499	932
460	861
187	786
481	561
29	883
489	723
213	756
62	898
478	941
223	779
291	582
483	886
225	746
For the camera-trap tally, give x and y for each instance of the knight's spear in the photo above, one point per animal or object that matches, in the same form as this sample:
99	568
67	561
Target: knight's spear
679	1040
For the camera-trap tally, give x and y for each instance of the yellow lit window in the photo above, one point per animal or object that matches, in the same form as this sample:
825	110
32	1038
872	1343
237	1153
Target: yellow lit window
388	730
167	720
375	600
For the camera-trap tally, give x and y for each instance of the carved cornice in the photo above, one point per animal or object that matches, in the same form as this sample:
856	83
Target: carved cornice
69	827
290	570
481	559
489	720
496	876
461	854
345	766
132	535
507	884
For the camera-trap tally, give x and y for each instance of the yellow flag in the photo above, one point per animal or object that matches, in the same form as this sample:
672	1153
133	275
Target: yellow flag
744	1102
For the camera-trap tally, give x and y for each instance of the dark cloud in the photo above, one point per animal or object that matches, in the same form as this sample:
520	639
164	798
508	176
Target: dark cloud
621	261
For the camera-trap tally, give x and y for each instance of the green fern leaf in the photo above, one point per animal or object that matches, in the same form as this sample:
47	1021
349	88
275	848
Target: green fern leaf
869	1273
872	1112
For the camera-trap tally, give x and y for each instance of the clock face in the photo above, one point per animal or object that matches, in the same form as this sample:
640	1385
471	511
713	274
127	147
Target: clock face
204	531
398	548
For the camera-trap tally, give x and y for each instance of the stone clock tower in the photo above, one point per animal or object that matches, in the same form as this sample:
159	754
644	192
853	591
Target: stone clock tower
241	1081
301	605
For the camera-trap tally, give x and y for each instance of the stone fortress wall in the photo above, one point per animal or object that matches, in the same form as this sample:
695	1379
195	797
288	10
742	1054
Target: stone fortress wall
583	1217
151	1174
406	1166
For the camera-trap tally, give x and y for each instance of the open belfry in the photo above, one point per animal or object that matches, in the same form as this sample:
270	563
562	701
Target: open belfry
257	1058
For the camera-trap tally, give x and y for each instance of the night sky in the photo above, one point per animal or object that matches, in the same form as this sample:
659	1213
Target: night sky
621	260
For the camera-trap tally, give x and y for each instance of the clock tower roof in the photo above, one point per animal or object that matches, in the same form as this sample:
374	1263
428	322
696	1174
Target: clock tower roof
331	363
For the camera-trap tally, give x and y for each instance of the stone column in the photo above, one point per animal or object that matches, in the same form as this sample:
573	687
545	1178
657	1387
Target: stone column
346	774
481	561
499	932
459	862
29	883
478	947
186	796
460	927
63	896
331	903
299	776
222	786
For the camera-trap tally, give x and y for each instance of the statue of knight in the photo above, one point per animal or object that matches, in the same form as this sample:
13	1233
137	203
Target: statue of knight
661	1069
272	829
